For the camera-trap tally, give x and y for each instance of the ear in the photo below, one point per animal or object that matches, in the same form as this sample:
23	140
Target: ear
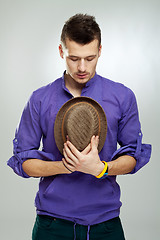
61	51
100	49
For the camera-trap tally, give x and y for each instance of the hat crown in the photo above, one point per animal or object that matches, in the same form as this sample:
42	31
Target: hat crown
80	122
80	118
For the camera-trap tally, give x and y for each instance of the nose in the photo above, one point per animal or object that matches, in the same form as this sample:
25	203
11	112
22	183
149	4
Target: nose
81	65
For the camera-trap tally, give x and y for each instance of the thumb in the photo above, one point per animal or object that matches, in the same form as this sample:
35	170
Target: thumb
94	142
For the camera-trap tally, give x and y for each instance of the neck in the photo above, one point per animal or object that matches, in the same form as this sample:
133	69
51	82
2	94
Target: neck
74	87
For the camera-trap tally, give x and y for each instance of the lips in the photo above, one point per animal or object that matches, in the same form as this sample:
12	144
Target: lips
84	75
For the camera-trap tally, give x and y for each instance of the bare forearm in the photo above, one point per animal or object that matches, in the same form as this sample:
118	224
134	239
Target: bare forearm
40	168
121	165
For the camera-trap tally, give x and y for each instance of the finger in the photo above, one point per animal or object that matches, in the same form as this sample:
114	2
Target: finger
97	140
69	164
69	154
67	159
66	165
94	142
73	149
67	138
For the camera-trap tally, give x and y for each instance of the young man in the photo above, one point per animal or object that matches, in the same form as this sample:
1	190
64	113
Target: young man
72	203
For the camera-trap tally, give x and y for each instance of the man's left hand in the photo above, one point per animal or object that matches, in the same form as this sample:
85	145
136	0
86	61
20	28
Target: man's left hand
87	161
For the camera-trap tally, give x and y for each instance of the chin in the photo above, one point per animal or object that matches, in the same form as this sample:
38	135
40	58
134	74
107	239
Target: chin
82	80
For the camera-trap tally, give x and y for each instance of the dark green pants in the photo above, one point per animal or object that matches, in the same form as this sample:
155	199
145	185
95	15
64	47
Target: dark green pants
48	228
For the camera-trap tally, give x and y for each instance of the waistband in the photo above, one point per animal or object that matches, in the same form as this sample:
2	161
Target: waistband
74	224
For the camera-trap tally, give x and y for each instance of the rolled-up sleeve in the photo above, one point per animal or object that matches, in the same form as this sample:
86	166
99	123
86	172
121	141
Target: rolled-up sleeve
27	138
130	135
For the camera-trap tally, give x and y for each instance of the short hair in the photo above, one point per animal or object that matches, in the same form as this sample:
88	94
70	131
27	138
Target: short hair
82	29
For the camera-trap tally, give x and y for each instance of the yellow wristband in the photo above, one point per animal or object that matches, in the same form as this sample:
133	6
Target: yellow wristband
104	170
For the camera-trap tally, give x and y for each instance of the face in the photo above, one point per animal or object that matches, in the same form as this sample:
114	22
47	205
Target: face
81	60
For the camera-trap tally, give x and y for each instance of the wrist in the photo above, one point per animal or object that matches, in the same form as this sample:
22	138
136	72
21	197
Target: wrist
66	170
104	172
99	169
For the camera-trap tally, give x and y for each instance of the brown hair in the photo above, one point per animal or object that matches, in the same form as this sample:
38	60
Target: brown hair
81	28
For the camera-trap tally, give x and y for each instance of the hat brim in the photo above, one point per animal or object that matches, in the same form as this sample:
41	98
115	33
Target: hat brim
59	118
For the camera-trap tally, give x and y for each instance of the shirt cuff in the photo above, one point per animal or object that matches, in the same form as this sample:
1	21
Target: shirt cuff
15	162
141	152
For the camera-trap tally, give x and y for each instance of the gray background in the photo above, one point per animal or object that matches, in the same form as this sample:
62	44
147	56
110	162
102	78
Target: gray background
29	59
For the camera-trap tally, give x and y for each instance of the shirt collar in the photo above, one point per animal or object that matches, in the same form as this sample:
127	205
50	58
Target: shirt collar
91	81
63	82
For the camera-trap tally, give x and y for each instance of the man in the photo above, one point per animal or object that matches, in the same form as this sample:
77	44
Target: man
72	202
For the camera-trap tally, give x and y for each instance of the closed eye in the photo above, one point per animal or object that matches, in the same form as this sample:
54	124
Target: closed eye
74	59
90	58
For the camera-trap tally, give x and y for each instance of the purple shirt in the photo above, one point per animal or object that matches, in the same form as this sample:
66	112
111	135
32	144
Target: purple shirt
79	197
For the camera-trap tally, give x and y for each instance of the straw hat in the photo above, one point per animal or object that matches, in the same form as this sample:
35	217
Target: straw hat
80	118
